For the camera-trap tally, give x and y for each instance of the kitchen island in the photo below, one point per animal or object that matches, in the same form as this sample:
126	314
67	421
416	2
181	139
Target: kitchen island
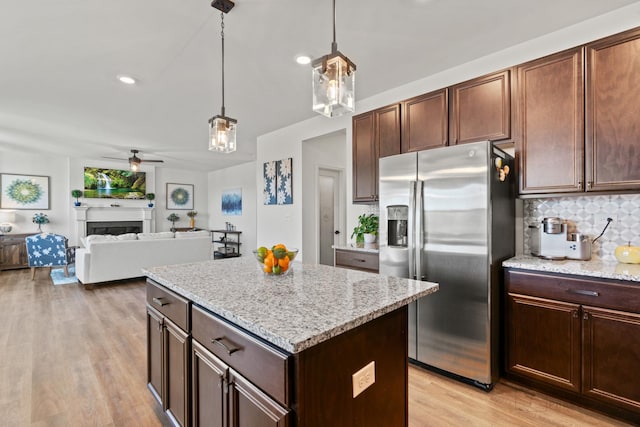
320	346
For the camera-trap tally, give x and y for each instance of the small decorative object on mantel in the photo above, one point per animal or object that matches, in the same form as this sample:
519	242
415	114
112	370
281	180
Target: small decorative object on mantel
150	197
76	194
40	219
173	218
192	220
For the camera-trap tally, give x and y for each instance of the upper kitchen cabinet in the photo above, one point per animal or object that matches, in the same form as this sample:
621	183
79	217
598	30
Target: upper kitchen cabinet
375	134
480	109
612	137
425	121
550	117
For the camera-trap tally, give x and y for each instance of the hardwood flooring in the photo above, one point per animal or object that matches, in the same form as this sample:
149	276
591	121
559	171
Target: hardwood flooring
70	357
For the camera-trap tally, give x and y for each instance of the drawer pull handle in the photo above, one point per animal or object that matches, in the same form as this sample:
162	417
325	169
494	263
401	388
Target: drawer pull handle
160	301
583	292
218	341
360	260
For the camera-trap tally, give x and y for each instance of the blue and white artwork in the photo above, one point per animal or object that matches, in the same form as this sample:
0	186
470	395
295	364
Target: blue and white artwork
284	180
232	202
269	190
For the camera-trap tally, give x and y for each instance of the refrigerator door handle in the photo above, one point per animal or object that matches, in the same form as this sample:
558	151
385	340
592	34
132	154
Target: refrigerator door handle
411	229
419	229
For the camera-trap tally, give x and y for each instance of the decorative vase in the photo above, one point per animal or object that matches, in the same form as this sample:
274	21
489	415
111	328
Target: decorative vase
39	228
150	205
192	223
77	203
369	238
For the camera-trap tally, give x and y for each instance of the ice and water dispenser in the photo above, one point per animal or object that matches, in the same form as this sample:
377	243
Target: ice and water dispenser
397	216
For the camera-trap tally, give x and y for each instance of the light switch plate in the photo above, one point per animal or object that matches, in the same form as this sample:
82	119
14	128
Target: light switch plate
364	378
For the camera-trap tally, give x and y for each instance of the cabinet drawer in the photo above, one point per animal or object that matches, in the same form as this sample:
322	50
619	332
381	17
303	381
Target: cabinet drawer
169	304
263	365
594	292
358	260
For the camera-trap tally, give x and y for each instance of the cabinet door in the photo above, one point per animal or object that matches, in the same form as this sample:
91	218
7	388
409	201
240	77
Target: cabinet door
176	365
612	105
425	122
13	252
154	354
544	340
611	355
365	159
550	98
208	375
250	407
480	109
387	131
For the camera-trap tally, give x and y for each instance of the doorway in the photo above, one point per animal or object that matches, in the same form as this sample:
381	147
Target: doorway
329	209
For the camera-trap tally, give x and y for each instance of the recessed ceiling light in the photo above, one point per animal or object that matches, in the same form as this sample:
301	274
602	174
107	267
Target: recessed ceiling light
128	80
303	59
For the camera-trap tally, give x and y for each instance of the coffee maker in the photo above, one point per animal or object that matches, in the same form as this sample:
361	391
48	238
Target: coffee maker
552	241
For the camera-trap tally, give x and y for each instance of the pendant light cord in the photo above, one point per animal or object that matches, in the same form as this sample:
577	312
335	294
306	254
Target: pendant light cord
334	44
222	37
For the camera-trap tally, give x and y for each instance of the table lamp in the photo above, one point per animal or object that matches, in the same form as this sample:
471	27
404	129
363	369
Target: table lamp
6	218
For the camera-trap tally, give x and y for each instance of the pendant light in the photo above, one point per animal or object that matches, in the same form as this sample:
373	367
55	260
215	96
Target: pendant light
333	81
222	129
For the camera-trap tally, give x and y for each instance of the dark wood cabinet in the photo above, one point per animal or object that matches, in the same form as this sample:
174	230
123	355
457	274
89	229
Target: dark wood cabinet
357	260
425	121
13	251
611	355
578	337
376	134
612	103
480	109
208	388
550	115
365	159
544	340
168	351
249	406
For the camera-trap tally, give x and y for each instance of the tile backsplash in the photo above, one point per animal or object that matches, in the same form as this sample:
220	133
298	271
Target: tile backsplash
588	215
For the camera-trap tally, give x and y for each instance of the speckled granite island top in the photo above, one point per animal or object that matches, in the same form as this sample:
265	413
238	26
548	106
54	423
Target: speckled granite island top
606	270
311	304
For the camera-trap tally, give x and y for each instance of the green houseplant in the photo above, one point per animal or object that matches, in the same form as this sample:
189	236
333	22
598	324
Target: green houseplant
76	194
367	228
173	218
150	197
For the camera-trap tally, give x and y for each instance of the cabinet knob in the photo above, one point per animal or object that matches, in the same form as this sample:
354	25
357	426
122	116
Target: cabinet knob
579	185
589	184
585	316
574	313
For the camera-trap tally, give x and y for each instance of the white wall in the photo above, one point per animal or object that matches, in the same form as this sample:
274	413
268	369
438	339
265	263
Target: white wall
284	223
241	176
327	151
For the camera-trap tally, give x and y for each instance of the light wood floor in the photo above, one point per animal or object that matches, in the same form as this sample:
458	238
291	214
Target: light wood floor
70	357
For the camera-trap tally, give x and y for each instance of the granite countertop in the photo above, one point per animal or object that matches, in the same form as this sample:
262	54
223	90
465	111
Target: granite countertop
601	269
365	247
309	305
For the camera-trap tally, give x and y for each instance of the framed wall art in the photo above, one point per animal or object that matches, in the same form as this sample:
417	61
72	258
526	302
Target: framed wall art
232	202
180	196
285	175
269	179
24	191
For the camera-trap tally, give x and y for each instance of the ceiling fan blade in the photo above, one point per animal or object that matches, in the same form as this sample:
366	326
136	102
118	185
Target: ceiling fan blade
113	158
152	161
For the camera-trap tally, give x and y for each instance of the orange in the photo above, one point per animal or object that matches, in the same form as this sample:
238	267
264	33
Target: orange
284	263
280	245
267	269
269	261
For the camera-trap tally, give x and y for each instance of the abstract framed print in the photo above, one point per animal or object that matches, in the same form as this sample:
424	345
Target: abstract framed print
179	196
24	191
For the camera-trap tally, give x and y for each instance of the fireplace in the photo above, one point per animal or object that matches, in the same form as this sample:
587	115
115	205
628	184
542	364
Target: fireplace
113	227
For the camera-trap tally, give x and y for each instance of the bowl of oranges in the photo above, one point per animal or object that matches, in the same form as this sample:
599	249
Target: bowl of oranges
277	260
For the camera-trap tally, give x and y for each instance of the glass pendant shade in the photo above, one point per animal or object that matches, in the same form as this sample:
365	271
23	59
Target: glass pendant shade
222	134
134	165
333	85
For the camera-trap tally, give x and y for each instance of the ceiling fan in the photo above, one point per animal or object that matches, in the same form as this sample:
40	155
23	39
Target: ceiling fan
134	161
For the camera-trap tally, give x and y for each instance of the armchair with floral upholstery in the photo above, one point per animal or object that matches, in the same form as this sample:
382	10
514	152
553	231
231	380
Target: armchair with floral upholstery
49	250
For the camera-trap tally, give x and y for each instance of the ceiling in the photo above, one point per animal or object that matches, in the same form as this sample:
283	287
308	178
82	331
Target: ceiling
59	62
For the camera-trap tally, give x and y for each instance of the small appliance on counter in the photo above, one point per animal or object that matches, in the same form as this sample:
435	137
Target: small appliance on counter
552	241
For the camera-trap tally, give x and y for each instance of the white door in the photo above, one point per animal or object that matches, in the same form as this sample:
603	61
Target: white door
329	208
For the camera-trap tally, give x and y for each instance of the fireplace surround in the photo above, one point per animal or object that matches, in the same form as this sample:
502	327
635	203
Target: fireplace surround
120	217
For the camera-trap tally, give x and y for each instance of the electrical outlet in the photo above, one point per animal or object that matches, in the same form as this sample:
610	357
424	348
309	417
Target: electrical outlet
364	378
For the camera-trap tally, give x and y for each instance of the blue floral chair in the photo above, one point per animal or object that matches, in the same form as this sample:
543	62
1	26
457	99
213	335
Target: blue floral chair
49	250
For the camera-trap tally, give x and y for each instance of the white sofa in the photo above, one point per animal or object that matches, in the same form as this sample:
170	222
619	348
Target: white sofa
106	258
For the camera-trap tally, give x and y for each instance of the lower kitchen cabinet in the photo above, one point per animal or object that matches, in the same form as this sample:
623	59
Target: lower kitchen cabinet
576	337
168	351
357	260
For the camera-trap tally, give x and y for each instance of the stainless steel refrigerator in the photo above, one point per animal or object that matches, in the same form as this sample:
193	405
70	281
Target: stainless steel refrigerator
447	215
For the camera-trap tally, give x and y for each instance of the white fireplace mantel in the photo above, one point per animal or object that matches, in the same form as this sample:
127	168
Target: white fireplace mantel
86	214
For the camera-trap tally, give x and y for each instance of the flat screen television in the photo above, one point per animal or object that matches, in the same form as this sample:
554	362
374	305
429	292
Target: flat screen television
114	183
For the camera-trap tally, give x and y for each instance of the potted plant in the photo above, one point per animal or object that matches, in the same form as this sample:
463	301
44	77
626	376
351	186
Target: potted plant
192	216
40	219
150	197
173	218
367	228
76	194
